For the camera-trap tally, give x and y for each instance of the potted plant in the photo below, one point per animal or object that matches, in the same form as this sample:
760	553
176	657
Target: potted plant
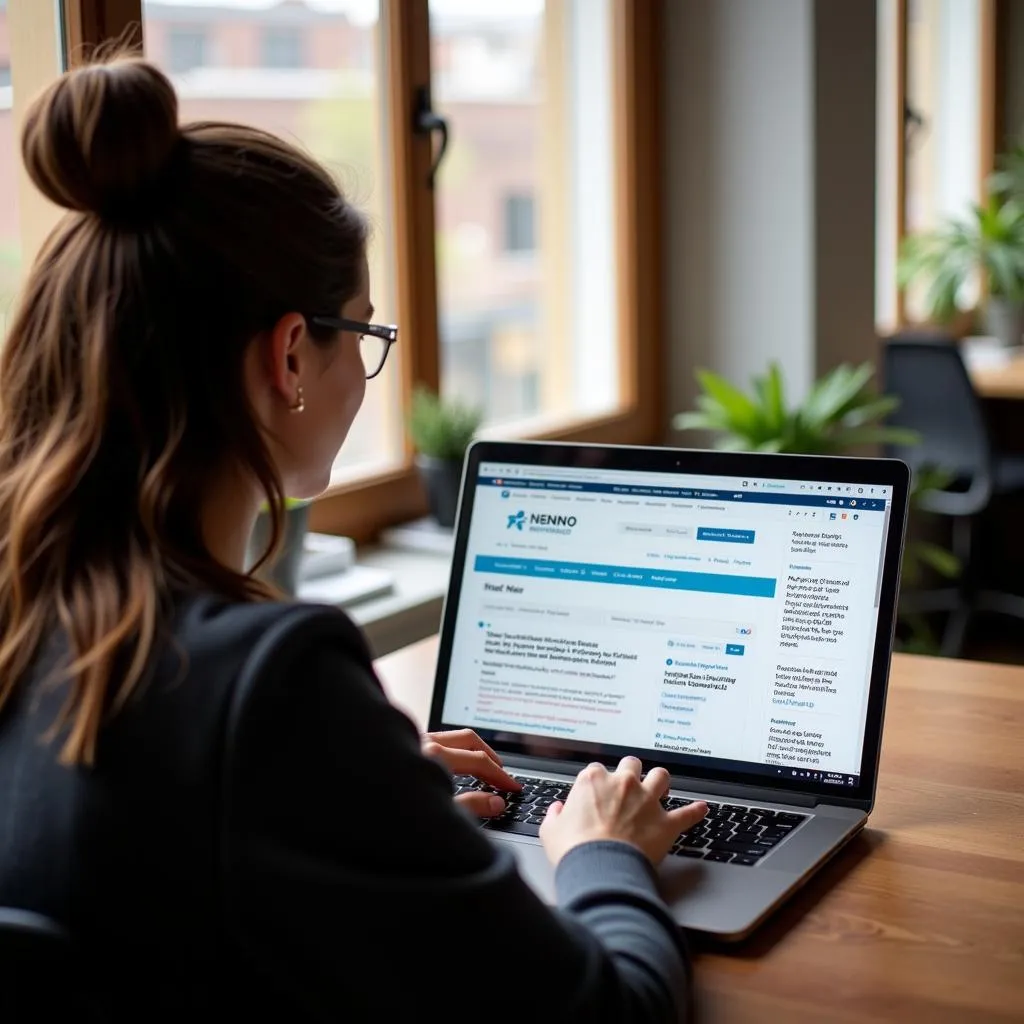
841	413
283	568
441	431
988	242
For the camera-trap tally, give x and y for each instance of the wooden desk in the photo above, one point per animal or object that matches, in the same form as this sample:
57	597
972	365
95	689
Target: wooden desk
921	918
1005	382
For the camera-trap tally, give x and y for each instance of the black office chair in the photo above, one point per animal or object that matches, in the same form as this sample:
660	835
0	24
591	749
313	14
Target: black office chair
938	401
38	979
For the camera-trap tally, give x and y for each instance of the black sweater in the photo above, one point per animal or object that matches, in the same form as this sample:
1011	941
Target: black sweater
261	835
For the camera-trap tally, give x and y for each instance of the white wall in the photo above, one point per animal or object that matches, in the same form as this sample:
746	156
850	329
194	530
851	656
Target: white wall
757	120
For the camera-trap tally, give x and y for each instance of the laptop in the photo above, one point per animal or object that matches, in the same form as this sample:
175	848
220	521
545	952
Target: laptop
727	616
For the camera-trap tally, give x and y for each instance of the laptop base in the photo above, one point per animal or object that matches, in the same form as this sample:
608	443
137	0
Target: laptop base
725	901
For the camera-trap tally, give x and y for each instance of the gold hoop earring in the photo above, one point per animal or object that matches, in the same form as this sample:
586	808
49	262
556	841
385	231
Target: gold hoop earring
300	402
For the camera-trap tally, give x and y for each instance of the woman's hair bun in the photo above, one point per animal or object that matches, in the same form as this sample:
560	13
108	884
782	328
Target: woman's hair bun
103	137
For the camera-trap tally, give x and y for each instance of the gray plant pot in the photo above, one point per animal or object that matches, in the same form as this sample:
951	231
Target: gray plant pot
1004	320
441	480
283	572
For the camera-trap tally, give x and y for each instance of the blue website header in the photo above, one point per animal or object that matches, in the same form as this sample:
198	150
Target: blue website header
646	491
628	575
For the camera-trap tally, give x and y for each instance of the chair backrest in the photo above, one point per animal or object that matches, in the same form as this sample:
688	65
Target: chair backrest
938	401
37	976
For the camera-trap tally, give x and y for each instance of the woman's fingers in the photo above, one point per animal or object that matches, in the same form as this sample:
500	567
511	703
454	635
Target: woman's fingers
482	805
472	762
463	739
686	817
658	781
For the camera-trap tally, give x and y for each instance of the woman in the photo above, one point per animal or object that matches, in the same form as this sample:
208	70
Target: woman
205	787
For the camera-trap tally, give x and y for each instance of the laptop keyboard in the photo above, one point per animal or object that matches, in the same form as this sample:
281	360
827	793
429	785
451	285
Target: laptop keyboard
728	834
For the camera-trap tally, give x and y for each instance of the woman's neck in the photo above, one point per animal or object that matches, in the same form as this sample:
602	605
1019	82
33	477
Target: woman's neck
227	517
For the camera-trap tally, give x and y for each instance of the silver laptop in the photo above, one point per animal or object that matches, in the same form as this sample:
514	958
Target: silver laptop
727	616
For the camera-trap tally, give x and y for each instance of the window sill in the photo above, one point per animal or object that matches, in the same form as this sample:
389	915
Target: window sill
412	608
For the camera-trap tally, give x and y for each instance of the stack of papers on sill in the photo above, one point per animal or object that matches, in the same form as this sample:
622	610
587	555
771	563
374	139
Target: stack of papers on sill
348	588
421	535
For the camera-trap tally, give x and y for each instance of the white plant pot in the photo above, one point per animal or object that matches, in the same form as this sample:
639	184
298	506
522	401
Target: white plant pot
1004	320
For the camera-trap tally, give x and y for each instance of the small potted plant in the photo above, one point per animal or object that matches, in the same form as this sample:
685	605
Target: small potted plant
283	568
441	431
988	242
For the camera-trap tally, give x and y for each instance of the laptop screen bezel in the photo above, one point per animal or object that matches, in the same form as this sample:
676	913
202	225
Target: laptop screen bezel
838	469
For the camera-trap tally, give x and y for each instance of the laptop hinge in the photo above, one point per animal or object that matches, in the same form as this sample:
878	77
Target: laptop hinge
705	787
745	793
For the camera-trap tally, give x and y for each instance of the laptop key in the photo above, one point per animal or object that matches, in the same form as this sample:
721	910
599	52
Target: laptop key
718	856
746	862
688	851
785	817
747	849
519	828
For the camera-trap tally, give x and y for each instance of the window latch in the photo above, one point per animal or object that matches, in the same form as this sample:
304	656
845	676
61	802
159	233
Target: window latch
425	122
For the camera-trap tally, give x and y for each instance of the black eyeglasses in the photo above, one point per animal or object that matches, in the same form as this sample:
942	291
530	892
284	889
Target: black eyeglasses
375	340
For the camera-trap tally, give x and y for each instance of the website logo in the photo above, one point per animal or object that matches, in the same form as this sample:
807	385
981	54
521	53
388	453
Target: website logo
540	522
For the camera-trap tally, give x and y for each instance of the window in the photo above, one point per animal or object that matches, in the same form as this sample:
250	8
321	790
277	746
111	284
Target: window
519	229
525	273
943	103
936	118
282	47
186	49
527	91
332	108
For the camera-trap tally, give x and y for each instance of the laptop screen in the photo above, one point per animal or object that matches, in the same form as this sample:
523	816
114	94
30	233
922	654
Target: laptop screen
720	621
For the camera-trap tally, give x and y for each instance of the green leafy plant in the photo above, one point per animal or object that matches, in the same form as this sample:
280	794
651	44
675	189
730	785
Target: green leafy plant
442	429
842	411
989	241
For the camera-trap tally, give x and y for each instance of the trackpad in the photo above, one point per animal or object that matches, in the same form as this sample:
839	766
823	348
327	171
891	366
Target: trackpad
533	863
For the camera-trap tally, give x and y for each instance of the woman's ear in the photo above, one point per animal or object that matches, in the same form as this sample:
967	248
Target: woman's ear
286	353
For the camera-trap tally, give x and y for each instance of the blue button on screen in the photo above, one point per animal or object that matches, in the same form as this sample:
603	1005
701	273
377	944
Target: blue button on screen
725	536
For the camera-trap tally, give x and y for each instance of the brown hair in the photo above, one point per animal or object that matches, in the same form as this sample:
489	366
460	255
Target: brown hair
122	373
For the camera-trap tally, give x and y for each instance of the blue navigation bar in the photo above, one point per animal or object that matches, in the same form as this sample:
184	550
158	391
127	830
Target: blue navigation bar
645	491
724	535
624	575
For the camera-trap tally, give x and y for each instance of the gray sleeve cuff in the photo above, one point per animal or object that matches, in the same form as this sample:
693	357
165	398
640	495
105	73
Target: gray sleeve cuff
599	868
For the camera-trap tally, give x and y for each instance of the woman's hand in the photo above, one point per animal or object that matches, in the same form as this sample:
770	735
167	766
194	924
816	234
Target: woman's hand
464	753
617	805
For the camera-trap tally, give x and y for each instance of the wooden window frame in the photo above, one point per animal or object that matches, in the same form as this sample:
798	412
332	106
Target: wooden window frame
361	507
